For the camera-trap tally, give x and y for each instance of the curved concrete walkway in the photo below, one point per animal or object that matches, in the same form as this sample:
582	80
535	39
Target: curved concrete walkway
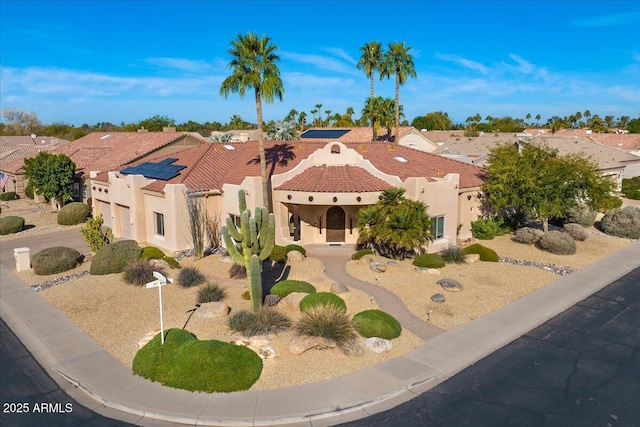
335	258
68	353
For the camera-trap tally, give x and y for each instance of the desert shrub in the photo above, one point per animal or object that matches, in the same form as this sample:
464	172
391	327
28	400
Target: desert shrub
528	235
576	231
429	261
329	322
285	287
246	295
151	252
95	235
583	215
9	195
211	292
237	272
623	222
360	253
171	261
377	323
278	254
11	224
488	229
261	322
55	260
453	254
322	298
485	253
187	363
74	213
190	277
298	248
28	191
139	273
114	257
631	188
557	242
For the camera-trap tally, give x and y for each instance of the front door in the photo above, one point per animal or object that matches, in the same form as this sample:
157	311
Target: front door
335	224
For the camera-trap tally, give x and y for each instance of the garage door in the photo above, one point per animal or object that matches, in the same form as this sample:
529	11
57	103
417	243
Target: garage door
124	222
105	210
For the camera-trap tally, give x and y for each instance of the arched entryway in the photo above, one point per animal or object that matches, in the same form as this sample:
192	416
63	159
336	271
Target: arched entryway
335	224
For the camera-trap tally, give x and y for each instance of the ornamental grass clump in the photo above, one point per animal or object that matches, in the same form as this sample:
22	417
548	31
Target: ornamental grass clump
322	298
623	222
360	253
557	242
576	231
453	254
139	273
190	277
528	235
329	322
377	323
55	260
261	322
211	292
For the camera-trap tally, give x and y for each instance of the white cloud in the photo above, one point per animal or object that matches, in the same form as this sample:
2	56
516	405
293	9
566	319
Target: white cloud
473	65
340	53
321	62
179	64
608	20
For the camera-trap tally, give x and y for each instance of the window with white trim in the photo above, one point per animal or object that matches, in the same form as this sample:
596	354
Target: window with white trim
437	227
159	223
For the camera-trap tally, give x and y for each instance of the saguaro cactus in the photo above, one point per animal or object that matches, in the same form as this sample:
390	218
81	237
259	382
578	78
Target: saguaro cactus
251	244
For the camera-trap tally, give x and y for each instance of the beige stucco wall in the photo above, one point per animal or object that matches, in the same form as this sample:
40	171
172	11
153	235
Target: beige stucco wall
418	142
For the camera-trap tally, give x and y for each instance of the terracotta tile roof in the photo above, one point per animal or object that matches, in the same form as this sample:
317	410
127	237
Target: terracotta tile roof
335	179
14	148
210	166
359	134
620	141
48	141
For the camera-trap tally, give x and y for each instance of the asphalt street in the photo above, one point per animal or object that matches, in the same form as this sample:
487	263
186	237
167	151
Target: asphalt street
581	368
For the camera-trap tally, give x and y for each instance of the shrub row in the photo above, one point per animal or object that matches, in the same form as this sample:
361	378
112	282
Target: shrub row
11	224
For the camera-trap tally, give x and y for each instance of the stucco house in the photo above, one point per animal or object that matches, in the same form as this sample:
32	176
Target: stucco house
317	189
105	151
409	136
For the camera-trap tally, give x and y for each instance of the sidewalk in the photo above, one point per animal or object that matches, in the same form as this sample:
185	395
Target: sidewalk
66	351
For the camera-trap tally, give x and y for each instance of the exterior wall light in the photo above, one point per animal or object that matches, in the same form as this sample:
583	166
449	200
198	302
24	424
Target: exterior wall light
311	198
335	199
289	196
359	198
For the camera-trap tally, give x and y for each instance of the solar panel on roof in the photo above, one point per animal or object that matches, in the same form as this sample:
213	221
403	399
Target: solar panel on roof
324	133
163	170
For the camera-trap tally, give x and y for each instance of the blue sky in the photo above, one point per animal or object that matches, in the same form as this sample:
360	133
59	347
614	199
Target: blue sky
91	61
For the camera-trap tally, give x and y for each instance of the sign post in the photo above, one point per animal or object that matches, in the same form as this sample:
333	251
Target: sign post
159	284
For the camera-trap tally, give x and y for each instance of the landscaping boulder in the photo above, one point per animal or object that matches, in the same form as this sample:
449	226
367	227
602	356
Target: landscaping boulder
471	258
301	344
378	267
339	288
393	263
160	264
429	271
227	259
292	301
439	298
295	256
450	285
378	345
209	310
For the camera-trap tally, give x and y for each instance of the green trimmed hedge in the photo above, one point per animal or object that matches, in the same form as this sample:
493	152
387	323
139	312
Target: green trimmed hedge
322	299
114	257
377	323
9	195
55	260
11	224
429	261
28	191
278	254
360	253
151	252
285	287
485	253
74	213
187	363
298	248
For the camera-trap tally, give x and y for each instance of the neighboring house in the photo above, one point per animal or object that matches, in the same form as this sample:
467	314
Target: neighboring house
237	135
105	151
318	187
439	137
611	162
409	136
14	149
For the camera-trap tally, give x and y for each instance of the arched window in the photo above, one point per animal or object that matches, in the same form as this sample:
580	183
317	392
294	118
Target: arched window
335	149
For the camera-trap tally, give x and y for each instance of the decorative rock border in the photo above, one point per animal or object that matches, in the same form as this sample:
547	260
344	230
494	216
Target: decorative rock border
45	285
556	269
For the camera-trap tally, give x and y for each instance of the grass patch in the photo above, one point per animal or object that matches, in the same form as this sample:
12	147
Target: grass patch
429	261
377	323
485	253
285	287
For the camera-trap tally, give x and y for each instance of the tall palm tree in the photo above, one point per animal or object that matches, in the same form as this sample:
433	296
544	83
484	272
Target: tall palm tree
318	107
314	116
302	120
398	61
371	113
328	116
254	66
371	60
